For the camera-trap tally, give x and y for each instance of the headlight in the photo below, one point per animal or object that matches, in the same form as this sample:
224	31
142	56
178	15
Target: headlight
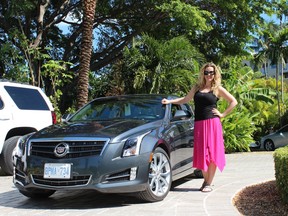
132	145
21	145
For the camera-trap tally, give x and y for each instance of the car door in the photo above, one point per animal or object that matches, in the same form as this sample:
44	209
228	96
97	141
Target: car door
183	142
282	137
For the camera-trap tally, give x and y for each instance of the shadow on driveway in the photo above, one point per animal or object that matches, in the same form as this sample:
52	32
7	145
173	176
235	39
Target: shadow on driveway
79	199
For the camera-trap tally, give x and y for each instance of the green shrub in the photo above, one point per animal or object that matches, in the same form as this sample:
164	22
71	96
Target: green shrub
281	171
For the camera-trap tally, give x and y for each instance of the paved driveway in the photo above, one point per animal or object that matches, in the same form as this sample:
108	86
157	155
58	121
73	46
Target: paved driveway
184	199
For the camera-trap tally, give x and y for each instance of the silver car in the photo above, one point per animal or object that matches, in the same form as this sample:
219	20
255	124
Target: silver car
275	140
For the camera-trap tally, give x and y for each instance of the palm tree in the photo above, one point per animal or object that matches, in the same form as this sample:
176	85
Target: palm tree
89	7
276	51
161	67
262	45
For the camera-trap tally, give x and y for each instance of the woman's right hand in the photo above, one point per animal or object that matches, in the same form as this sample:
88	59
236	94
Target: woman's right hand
165	101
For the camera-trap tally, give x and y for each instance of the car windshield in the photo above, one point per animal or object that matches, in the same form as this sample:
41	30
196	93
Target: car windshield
284	129
127	108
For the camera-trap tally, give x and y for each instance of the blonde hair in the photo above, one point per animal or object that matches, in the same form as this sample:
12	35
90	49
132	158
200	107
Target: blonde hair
216	82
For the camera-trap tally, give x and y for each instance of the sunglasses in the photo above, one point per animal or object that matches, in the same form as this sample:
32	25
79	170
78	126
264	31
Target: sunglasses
209	72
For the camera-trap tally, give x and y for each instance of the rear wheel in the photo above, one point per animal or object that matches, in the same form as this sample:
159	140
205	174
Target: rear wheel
269	145
6	160
37	193
198	173
160	177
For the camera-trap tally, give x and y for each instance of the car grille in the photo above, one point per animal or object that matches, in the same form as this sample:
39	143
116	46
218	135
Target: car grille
80	180
76	148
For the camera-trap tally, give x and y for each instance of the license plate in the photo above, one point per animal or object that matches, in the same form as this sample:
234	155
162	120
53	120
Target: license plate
57	171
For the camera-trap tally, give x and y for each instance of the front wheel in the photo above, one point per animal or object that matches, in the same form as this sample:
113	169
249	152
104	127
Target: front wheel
160	177
269	145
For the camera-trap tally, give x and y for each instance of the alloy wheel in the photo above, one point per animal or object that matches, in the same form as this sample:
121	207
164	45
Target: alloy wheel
160	174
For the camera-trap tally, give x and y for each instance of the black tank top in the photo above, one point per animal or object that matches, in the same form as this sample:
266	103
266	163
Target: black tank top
204	103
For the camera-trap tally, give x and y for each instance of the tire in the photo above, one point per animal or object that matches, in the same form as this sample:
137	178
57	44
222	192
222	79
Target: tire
159	177
37	193
198	173
269	145
6	160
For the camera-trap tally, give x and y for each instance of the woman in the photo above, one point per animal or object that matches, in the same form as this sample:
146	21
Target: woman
209	152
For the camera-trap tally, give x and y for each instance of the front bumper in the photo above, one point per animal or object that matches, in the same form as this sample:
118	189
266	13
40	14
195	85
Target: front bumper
106	173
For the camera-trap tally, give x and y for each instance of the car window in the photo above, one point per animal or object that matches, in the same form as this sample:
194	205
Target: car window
27	99
188	108
121	109
174	108
284	129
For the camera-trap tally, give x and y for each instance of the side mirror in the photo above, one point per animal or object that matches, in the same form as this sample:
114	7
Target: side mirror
182	114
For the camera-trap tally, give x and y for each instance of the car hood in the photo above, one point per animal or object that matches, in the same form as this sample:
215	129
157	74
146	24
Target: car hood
104	129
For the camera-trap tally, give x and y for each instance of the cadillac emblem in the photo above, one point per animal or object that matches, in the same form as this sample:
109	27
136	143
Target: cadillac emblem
61	149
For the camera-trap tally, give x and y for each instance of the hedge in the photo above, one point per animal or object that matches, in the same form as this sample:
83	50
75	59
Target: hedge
281	171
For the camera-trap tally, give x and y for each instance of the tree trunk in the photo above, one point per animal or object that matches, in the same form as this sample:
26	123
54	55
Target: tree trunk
277	92
266	68
89	7
282	80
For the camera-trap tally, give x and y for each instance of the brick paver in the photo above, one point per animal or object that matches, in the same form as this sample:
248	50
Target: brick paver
184	199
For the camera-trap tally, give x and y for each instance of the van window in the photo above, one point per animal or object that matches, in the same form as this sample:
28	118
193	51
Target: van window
1	103
27	99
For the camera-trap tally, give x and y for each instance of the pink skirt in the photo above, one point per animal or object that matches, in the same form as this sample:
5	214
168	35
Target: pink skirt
208	144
